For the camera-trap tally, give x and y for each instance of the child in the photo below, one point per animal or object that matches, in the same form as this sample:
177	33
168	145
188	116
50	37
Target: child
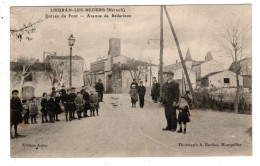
134	95
26	112
33	108
16	112
184	114
58	109
79	102
94	105
51	104
44	109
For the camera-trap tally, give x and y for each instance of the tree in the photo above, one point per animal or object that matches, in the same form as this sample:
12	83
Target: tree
23	69
137	68
23	31
235	41
60	71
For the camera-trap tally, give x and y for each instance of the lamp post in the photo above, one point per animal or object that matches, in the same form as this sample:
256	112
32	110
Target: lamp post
71	41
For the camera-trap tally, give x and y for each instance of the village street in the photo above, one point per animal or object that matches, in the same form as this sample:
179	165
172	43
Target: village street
122	131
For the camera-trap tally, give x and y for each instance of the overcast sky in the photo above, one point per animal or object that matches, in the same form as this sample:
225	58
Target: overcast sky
195	26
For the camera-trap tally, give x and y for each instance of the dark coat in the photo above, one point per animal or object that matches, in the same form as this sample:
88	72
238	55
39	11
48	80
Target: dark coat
155	89
141	90
170	92
58	107
16	111
44	105
99	87
63	95
136	84
51	106
86	98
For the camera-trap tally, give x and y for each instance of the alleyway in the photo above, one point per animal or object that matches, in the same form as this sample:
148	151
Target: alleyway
122	131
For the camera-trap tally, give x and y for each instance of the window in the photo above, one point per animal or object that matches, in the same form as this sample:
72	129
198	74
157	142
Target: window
28	78
226	81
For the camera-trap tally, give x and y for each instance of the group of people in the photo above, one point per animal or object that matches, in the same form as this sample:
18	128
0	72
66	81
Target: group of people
54	104
137	91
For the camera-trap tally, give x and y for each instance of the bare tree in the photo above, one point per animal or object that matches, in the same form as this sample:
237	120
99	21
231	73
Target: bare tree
235	41
23	69
23	31
60	71
137	68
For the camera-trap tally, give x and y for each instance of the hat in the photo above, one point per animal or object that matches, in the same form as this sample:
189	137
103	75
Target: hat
141	81
15	91
68	90
73	88
62	86
170	73
99	80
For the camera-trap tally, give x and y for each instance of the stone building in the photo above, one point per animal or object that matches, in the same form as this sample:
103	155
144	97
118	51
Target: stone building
117	71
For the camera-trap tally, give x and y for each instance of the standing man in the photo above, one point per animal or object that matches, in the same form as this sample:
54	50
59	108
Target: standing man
141	92
170	98
100	89
16	112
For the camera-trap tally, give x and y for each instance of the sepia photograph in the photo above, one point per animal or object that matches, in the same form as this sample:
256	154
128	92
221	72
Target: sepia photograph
130	81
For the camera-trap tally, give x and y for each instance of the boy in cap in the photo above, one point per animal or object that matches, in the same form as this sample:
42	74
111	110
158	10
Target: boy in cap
73	95
16	112
141	92
69	105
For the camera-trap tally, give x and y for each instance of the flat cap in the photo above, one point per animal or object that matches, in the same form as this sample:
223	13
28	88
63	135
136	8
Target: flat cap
170	73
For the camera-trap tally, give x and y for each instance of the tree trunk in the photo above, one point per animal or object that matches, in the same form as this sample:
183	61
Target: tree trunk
237	94
21	87
237	80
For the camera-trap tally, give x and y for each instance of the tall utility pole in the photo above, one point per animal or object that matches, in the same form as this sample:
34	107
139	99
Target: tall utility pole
161	52
70	67
180	54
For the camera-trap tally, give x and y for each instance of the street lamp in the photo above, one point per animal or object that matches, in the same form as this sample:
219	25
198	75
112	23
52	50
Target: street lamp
71	41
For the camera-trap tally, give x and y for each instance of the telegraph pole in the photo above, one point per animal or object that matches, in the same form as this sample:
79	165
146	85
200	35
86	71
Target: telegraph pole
180	54
161	52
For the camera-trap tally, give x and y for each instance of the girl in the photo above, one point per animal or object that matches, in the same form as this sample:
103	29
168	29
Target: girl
184	114
33	108
134	95
58	107
44	109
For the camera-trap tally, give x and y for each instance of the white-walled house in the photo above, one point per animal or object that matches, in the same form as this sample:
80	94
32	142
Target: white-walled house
211	66
221	79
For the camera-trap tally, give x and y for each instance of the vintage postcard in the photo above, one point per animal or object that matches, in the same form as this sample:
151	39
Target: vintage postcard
131	81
